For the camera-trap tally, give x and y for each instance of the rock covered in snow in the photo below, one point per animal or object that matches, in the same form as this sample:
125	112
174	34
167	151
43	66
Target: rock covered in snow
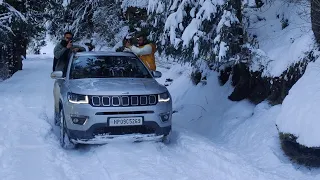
300	109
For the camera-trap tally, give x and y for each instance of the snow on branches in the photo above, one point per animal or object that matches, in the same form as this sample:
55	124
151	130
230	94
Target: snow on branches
196	28
6	16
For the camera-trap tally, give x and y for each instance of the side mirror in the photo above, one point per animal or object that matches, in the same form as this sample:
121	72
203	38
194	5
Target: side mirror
57	75
156	74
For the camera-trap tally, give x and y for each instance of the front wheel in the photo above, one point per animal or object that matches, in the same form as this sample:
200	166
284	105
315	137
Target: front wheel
166	139
64	138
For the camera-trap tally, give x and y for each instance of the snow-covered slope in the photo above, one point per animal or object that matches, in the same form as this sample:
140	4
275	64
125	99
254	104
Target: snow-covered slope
281	44
239	127
300	110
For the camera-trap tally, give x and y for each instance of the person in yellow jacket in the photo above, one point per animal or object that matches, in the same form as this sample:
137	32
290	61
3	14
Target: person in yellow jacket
145	51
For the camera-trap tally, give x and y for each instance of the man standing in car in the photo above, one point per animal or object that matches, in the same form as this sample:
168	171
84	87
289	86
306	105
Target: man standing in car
145	51
62	49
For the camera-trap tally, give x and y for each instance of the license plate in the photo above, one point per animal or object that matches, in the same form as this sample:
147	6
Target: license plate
127	121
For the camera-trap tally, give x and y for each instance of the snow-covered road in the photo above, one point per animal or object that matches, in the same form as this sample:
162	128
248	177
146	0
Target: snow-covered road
29	145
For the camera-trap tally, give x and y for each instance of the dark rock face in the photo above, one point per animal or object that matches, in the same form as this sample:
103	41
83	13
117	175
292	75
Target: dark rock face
241	80
251	85
309	157
224	75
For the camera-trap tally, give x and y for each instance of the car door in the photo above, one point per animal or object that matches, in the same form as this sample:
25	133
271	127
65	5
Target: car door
60	84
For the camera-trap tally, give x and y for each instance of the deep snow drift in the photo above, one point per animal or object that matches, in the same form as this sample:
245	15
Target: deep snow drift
300	110
213	137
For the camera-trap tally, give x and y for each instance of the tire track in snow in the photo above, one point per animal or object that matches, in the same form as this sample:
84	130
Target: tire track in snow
28	152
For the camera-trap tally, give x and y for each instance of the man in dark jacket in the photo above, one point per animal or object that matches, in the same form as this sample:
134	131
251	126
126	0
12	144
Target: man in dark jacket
62	50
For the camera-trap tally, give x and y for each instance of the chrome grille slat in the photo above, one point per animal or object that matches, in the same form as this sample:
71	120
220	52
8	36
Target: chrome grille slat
145	100
96	97
137	100
123	102
155	99
118	99
104	99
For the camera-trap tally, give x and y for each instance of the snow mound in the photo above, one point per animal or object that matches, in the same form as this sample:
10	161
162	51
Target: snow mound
300	109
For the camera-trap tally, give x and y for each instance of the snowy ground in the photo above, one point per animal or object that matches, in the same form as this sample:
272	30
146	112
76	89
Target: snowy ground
213	137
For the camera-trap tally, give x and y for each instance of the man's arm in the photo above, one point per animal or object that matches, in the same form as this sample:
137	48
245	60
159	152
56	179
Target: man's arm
79	47
58	51
147	49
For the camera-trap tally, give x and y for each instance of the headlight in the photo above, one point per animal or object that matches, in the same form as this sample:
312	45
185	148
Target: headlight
78	98
164	97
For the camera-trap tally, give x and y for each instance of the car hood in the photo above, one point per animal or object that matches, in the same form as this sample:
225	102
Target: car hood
130	86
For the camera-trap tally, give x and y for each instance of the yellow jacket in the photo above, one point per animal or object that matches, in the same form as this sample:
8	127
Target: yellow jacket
146	54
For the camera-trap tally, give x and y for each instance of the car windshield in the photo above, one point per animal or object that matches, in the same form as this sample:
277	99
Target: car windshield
107	67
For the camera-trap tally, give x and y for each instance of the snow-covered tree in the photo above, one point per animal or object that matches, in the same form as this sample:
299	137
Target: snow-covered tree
99	19
196	29
8	16
7	13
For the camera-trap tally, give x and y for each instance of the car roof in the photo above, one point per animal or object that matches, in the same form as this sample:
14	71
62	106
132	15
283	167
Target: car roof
105	53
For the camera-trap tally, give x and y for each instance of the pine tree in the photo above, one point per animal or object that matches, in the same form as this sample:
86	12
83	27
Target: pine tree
86	19
9	16
25	29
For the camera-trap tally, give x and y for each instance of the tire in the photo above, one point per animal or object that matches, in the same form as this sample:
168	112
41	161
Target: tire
57	115
65	142
166	139
57	119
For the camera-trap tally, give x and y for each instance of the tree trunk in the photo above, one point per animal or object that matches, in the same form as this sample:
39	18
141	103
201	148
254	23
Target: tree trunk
236	4
315	18
19	47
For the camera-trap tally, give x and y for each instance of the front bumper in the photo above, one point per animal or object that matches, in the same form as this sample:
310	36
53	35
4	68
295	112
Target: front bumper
100	115
96	127
102	133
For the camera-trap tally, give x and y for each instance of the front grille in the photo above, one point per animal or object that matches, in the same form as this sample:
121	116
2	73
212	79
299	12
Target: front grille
123	101
124	130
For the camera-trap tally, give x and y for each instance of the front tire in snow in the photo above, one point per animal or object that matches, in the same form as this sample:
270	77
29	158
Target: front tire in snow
57	119
166	139
64	137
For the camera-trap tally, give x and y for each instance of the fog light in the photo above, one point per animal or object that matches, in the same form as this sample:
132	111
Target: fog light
165	116
81	120
75	120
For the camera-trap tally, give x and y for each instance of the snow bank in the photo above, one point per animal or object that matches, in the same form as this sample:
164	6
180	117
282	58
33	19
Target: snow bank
242	128
300	110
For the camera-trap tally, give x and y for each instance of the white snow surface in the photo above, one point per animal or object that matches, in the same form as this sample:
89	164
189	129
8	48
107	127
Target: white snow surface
213	138
281	47
300	110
